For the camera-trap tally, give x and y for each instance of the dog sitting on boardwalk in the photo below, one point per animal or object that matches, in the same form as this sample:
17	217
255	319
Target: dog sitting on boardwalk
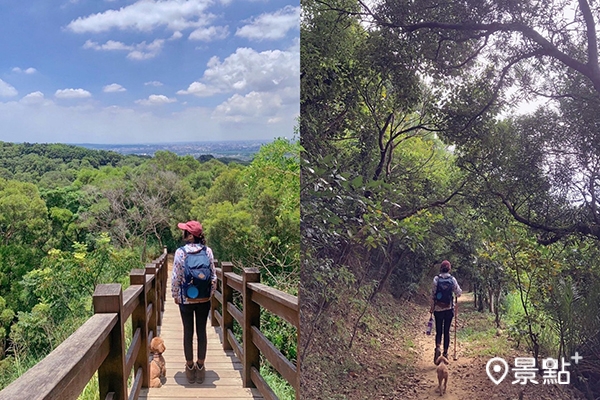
442	373
158	369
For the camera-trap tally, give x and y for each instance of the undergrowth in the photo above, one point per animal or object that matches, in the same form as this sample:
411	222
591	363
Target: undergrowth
478	329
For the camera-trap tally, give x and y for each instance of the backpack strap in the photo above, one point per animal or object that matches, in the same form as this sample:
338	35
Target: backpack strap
185	253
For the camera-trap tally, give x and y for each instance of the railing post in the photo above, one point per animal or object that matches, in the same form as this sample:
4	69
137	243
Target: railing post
165	276
251	318
160	289
112	377
138	320
214	303
227	292
152	297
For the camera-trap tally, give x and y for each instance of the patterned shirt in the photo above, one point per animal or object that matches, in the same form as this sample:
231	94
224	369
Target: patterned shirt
177	276
457	291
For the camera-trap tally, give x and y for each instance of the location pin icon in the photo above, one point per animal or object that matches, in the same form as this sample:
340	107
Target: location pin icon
494	369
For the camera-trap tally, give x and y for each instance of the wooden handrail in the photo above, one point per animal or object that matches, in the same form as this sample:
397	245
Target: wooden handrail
69	367
256	296
99	344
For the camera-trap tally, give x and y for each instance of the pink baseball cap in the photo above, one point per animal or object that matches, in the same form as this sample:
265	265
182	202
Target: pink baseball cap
445	265
193	227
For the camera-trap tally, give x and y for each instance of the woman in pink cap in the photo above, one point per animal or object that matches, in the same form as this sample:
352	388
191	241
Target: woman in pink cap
193	303
444	288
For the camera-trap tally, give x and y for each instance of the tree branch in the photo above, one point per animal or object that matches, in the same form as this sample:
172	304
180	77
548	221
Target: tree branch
591	70
437	203
592	40
558	232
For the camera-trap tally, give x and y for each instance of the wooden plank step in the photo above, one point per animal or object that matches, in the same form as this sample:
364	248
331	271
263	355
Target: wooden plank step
223	380
194	391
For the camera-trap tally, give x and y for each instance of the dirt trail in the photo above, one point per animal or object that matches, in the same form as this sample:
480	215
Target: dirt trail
393	360
459	370
467	376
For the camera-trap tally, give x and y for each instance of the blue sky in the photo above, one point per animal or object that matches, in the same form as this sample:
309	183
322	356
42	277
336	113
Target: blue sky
148	71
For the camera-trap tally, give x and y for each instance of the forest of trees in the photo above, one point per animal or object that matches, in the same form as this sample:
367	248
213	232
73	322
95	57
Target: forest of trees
418	148
71	218
467	131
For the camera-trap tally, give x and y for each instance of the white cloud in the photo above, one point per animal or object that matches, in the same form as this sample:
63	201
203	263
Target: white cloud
199	89
33	98
145	15
267	86
7	90
113	87
156	99
247	70
153	83
273	25
72	94
27	71
237	108
145	51
259	108
139	51
108	46
210	33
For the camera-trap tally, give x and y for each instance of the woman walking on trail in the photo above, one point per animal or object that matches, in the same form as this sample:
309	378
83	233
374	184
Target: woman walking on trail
442	306
192	302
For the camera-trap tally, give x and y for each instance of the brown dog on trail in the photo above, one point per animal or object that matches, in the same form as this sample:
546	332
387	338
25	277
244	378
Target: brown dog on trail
442	373
158	368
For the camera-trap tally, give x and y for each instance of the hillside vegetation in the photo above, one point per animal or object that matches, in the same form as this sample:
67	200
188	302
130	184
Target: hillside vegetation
71	218
414	155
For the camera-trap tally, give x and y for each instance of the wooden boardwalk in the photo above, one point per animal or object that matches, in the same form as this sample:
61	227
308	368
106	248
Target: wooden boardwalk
223	370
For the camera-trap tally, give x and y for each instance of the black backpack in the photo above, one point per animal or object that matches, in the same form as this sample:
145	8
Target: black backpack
445	288
197	282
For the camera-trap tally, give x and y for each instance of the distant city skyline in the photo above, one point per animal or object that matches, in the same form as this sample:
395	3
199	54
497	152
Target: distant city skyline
242	149
148	71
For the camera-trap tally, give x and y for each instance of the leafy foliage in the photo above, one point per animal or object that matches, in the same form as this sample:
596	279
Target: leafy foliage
80	218
54	165
252	215
415	151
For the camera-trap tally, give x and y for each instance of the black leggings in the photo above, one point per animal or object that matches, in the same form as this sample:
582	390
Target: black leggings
187	311
443	322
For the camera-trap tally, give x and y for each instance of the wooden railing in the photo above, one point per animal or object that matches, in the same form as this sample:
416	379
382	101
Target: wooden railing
99	344
255	295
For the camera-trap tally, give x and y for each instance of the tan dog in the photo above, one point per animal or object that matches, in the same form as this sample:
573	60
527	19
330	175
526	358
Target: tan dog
442	373
158	369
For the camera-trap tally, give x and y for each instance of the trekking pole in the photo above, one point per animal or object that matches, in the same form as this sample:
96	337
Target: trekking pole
455	326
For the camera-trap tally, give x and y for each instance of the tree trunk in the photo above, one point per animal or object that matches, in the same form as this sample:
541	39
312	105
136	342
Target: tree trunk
497	306
143	256
480	305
